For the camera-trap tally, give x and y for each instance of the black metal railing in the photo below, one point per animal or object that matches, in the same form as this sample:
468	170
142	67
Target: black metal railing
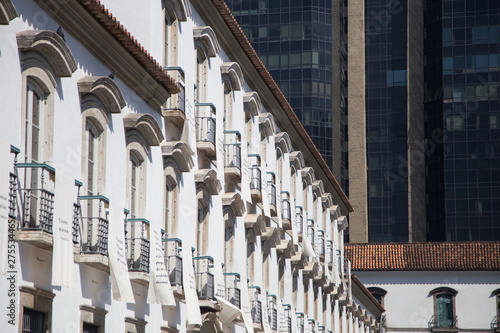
75	232
12	195
233	292
272	312
177	102
256	311
321	242
288	317
256	178
435	322
36	196
95	224
232	149
272	193
204	279
300	322
310	325
329	250
299	219
137	243
173	260
205	129
286	211
310	231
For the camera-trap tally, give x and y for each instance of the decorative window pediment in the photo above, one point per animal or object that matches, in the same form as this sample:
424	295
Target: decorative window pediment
181	7
7	11
105	89
252	103
308	175
257	222
282	141
297	160
51	46
179	152
334	211
147	125
318	188
234	202
342	223
206	36
232	71
266	122
327	200
209	178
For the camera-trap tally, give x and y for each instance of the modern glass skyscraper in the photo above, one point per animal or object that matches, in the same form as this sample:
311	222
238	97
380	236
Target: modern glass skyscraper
462	77
302	44
422	112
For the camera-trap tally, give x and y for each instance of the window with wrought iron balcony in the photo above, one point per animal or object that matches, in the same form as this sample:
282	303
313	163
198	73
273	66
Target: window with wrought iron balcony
286	211
272	312
256	178
233	291
205	282
35	199
271	189
206	129
94	231
310	231
256	304
299	221
137	246
232	155
174	109
173	264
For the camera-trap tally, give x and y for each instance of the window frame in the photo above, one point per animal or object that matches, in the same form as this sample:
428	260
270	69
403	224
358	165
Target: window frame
435	293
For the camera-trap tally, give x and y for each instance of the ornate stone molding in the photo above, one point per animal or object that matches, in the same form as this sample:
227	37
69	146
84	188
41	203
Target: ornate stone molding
232	71
147	125
105	89
207	38
52	47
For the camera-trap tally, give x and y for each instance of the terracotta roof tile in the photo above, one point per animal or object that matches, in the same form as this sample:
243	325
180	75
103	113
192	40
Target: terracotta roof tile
445	256
273	86
107	20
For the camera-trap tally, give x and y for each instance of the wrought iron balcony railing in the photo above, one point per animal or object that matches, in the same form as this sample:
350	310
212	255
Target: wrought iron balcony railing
299	219
329	251
233	291
205	129
300	322
272	193
321	242
437	322
173	260
204	278
286	210
288	317
177	102
256	311
94	224
205	123
272	312
12	195
36	196
310	231
232	149
75	230
256	180
310	325
137	244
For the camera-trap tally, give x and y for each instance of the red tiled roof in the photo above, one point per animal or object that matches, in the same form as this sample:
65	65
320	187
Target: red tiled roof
264	73
107	20
445	256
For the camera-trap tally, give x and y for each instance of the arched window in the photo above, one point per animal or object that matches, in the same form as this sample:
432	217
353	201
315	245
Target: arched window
444	307
378	293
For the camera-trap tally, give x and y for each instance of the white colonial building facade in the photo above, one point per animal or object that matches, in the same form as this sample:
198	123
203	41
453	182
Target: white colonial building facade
153	178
